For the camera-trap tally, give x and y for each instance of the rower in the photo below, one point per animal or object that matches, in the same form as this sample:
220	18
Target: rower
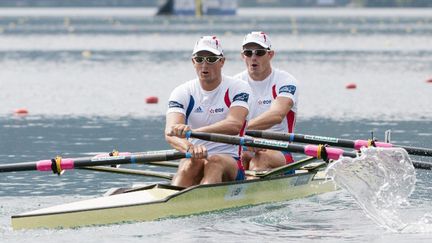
273	102
212	103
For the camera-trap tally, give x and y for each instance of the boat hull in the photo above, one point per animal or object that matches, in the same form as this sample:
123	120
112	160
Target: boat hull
161	201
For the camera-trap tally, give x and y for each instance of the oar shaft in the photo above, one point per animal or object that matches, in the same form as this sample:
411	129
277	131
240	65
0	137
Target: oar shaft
157	174
300	138
422	165
71	163
18	167
164	163
311	150
417	150
355	144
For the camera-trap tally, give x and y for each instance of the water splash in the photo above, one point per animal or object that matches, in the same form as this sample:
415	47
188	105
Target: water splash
423	225
380	180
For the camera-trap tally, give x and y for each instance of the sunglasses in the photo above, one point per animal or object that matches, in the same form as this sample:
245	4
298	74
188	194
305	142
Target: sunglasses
258	52
209	60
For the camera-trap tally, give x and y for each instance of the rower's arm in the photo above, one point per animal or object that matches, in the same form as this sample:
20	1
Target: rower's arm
275	115
181	144
231	125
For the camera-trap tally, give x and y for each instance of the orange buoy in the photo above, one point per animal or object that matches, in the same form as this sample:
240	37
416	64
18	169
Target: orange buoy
351	86
86	54
152	100
21	111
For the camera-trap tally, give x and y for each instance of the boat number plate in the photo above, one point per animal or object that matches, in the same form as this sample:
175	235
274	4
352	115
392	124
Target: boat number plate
301	180
236	192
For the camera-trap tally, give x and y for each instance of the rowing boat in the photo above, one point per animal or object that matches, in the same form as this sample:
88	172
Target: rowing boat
158	201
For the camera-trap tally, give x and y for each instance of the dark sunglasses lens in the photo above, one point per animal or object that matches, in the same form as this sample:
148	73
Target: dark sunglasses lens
247	53
212	59
199	59
260	52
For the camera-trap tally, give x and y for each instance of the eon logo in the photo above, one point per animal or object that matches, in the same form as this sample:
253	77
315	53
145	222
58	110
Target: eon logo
217	110
264	102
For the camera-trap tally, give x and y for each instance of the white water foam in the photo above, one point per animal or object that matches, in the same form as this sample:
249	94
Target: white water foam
381	181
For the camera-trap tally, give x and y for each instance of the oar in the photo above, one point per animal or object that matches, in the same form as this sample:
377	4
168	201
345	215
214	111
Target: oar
59	164
164	163
355	144
317	151
158	174
311	150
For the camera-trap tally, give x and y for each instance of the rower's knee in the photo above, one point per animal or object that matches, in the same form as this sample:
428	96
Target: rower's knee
190	166
214	160
267	160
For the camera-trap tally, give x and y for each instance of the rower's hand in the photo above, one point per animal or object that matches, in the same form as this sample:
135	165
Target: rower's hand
179	130
198	151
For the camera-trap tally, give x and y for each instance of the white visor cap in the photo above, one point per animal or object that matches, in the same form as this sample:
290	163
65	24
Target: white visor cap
259	38
208	43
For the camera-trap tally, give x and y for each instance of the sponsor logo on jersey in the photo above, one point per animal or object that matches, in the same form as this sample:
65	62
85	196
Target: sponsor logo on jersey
264	102
287	89
174	104
217	110
199	110
241	97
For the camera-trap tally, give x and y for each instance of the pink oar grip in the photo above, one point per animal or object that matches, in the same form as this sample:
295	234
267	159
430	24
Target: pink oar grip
364	143
45	165
360	143
125	154
67	164
332	153
311	150
383	145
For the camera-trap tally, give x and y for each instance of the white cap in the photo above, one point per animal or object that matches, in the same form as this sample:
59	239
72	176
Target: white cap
208	43
259	38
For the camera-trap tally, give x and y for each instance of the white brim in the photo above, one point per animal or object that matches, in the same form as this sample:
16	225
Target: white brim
206	48
257	42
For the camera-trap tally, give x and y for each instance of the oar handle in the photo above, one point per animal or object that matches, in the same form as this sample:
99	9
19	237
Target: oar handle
311	150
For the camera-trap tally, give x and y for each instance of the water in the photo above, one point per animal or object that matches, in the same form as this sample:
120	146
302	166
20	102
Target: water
84	75
381	180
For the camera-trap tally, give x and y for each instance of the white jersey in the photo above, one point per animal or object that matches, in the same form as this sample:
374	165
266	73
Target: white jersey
278	83
203	108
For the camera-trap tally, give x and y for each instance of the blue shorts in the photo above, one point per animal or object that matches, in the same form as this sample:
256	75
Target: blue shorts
240	175
240	171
